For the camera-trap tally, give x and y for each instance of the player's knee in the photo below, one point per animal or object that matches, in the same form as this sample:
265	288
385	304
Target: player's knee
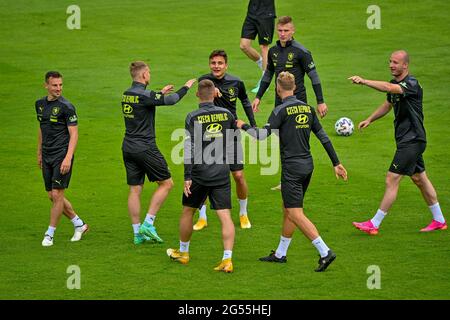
168	184
244	45
57	195
417	179
239	177
50	197
392	179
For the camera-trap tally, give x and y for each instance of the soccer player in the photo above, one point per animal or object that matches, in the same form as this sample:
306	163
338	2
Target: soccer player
404	93
206	172
57	140
228	89
289	55
140	152
295	120
260	21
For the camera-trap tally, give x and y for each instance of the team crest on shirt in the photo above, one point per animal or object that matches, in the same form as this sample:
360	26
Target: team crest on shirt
290	56
231	91
55	111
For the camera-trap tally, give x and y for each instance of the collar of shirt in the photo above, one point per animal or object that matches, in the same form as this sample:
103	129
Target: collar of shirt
206	105
139	84
289	98
288	43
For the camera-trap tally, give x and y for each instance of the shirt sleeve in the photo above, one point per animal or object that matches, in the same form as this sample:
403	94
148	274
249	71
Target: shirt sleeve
307	63
267	77
320	133
153	98
246	104
70	116
274	122
410	87
188	148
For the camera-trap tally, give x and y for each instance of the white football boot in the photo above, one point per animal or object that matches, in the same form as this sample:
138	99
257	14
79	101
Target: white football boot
79	231
48	241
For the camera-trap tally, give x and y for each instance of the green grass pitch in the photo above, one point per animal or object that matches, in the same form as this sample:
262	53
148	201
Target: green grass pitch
176	37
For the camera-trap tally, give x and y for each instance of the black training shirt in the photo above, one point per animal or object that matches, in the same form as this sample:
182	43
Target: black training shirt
295	120
54	118
208	143
231	88
138	108
296	59
408	111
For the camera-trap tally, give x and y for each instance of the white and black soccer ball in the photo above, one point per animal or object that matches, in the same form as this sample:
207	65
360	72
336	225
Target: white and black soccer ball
344	126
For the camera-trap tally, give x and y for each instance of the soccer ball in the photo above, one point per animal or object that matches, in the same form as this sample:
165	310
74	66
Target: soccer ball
344	126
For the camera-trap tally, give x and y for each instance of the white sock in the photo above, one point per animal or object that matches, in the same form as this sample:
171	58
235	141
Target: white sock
379	216
321	246
202	212
77	222
51	231
283	247
242	207
184	246
227	254
259	62
136	227
437	213
150	218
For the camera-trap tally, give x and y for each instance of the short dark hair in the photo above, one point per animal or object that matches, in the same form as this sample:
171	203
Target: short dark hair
52	74
219	53
206	90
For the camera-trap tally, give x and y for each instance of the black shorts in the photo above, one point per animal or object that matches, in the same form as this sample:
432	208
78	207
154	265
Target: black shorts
53	179
238	156
408	159
149	162
293	190
264	28
219	196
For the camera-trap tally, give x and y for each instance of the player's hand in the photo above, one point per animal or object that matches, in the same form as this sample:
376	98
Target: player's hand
255	105
239	123
217	93
167	89
65	166
340	171
322	109
189	83
187	187
39	160
357	80
363	124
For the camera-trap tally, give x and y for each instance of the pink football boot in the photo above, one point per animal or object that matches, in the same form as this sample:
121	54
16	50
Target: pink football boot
367	227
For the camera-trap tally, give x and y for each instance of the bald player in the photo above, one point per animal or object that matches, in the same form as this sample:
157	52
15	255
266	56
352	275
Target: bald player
404	94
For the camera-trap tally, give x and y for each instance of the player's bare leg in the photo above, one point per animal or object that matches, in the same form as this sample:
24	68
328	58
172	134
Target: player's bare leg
242	193
182	254
228	233
429	194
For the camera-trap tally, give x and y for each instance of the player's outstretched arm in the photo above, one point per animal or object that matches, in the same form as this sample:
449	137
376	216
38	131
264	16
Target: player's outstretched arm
382	86
177	96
